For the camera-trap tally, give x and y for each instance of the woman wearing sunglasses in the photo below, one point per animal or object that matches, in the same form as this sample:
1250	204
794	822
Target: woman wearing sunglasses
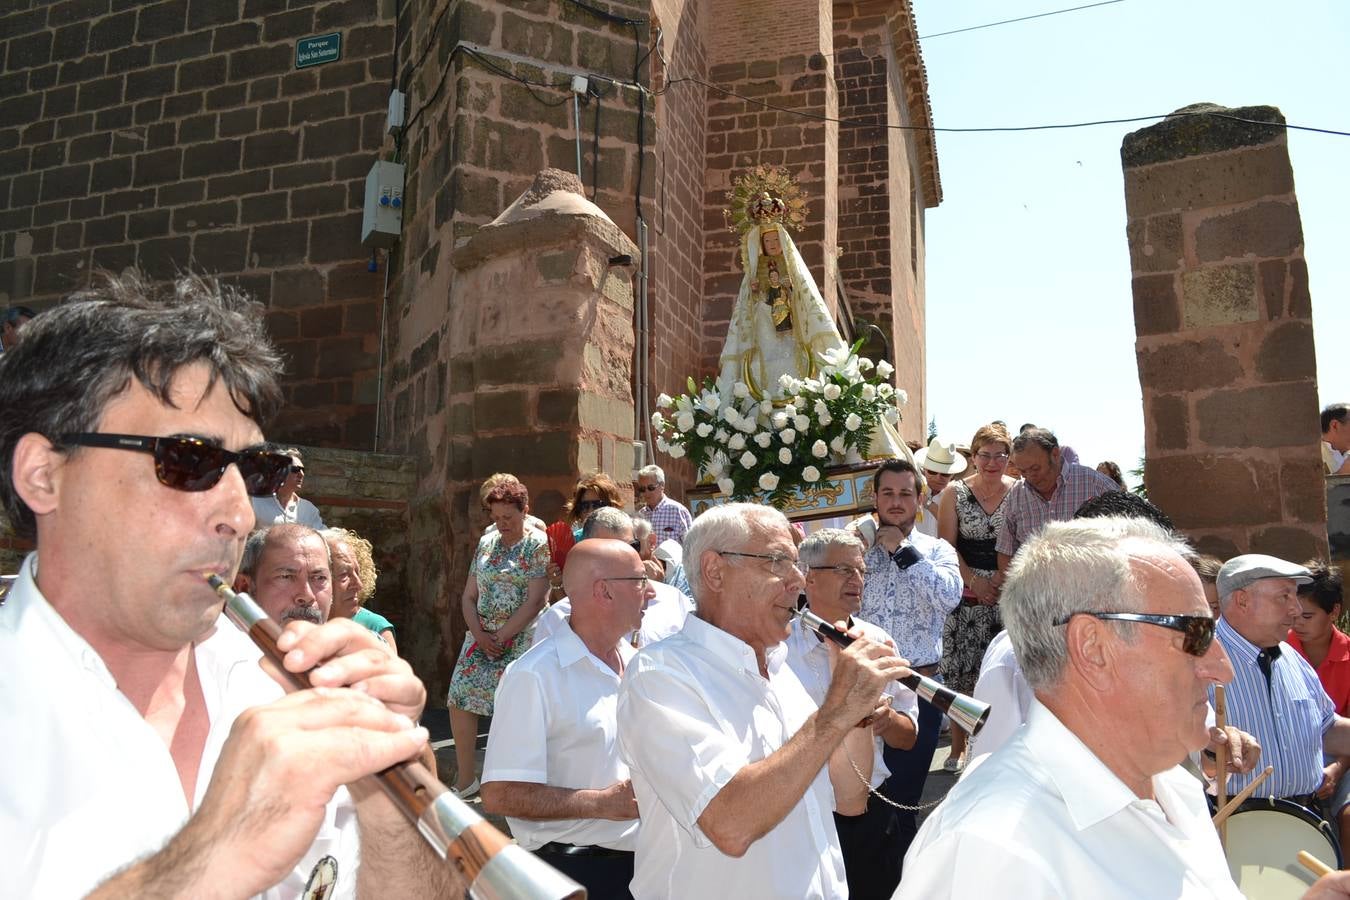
594	491
505	591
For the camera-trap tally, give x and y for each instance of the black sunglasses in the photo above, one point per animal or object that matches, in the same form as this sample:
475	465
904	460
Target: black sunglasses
192	464
1198	631
591	504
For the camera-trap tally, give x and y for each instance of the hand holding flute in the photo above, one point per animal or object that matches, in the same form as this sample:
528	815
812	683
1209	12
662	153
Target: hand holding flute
432	843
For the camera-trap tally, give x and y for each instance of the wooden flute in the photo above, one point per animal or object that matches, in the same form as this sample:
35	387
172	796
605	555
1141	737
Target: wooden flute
493	865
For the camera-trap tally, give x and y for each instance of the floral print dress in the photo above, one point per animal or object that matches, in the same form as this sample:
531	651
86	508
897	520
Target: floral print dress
503	575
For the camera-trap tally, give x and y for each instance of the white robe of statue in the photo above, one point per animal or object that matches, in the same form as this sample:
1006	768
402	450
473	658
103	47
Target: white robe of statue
758	353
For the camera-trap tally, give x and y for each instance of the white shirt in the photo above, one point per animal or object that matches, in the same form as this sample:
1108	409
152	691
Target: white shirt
664	615
558	728
269	511
1001	685
1333	458
694	711
810	661
1044	817
89	786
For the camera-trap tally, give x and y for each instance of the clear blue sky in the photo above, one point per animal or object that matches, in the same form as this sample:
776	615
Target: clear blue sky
1028	291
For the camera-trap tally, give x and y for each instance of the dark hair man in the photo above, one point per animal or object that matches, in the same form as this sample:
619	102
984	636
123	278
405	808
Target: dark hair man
1052	488
913	583
161	761
11	323
1336	439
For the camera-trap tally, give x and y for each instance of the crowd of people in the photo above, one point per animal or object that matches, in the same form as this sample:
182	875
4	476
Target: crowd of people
663	722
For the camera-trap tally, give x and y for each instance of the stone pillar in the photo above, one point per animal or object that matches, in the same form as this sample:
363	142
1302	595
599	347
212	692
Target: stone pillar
540	345
1224	332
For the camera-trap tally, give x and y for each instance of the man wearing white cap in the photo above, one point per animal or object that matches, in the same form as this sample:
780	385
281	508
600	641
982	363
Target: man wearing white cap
1275	694
940	463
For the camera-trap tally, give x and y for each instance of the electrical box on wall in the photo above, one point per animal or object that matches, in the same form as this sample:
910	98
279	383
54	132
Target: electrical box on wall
382	218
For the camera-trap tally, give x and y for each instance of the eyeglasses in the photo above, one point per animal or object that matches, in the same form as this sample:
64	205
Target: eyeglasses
640	579
991	457
1198	630
648	488
842	571
779	565
590	504
636	544
299	469
192	464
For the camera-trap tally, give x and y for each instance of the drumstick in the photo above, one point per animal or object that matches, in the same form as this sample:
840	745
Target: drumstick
1221	764
1313	864
1231	806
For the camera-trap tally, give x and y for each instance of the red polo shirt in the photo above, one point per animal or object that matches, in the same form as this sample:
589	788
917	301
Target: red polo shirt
1334	672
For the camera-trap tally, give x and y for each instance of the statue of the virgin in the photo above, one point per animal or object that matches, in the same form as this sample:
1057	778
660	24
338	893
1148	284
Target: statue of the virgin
779	324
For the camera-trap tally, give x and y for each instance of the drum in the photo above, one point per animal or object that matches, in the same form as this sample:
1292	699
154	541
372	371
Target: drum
1264	837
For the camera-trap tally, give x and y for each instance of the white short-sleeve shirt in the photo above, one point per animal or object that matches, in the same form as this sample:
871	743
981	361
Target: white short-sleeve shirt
90	787
555	725
693	711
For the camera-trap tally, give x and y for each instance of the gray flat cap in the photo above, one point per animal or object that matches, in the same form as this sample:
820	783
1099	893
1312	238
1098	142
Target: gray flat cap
1241	571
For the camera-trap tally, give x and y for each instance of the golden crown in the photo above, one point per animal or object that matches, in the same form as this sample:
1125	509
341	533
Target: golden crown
765	195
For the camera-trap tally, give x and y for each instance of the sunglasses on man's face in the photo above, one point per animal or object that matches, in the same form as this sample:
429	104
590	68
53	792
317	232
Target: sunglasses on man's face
192	464
1197	631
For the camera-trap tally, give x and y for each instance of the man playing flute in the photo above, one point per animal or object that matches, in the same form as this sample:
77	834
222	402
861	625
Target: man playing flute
154	757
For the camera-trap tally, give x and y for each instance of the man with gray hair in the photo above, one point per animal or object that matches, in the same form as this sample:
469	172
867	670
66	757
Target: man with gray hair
1051	490
670	520
665	611
870	837
1113	633
287	569
726	749
1276	694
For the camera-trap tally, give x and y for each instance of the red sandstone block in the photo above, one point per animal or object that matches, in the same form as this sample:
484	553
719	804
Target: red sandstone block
1212	180
1263	230
1286	353
1206	490
1278	415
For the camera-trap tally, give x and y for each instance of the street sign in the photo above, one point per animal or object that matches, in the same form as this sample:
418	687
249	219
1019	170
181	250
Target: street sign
317	50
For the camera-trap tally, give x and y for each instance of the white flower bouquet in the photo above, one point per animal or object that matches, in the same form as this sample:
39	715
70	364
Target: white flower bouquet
768	450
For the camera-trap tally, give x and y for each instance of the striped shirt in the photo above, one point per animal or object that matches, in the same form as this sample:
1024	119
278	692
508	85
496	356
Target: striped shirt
1288	719
670	520
1026	510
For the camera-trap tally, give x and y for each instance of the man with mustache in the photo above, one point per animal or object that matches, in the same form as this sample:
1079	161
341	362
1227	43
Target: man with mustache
288	570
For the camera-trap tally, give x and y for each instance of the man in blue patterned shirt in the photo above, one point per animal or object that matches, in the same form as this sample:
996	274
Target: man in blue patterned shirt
1275	693
913	583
